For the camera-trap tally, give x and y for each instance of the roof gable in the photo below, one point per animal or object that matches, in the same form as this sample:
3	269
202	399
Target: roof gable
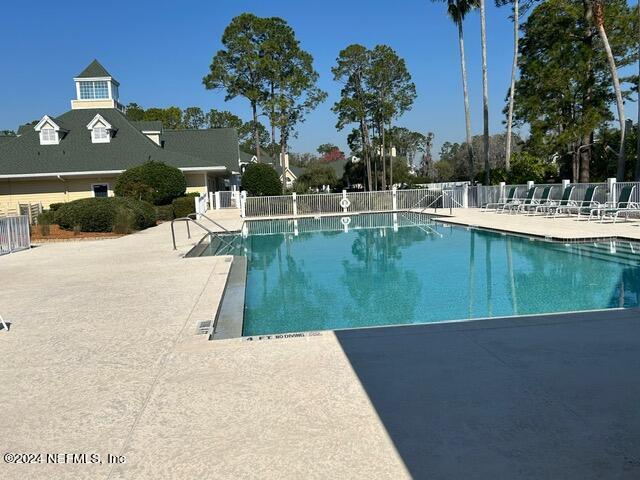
93	70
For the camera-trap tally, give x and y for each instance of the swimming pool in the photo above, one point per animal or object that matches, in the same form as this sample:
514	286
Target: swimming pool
404	268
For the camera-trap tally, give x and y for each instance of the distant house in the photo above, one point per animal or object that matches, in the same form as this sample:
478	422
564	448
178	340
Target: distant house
80	153
292	172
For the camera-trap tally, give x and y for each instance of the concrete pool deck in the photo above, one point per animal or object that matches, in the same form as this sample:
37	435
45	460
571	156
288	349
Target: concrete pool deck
103	357
560	228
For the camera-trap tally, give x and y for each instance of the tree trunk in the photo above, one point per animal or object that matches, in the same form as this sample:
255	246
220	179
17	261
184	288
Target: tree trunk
383	157
273	115
283	152
485	93
467	108
514	69
637	175
365	151
390	162
599	17
256	137
585	158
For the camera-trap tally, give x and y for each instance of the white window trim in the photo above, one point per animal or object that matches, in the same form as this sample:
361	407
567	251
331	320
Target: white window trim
93	185
91	126
47	123
95	139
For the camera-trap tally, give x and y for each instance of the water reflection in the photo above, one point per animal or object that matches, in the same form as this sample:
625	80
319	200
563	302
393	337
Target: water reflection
386	269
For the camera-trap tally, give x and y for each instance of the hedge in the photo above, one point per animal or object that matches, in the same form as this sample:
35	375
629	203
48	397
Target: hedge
184	206
106	215
261	179
154	182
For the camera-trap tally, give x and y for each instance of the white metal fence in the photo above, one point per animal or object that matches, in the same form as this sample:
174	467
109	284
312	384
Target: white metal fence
460	195
14	234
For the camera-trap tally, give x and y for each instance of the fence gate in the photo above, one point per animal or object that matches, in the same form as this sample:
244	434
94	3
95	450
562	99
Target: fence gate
14	234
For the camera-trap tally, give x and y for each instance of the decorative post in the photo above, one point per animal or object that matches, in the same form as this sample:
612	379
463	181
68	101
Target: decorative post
394	196
611	190
197	203
465	195
501	197
565	184
217	195
243	203
344	197
295	205
529	185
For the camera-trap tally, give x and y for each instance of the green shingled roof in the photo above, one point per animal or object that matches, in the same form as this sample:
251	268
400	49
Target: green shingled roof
129	147
148	125
215	146
95	69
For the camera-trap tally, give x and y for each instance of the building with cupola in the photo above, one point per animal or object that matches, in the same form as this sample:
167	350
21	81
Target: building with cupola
80	153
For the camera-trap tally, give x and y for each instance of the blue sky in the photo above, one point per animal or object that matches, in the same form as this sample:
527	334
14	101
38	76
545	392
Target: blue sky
160	50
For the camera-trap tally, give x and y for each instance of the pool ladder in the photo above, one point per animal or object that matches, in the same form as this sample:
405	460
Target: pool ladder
192	218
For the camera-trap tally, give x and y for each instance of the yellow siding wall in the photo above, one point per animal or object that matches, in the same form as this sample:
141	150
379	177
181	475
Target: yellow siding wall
196	182
13	192
47	192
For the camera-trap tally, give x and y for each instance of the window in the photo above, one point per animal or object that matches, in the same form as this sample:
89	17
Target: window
48	135
100	134
100	190
94	90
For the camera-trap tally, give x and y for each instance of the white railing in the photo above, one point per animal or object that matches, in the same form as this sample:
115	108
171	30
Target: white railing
458	195
14	234
200	204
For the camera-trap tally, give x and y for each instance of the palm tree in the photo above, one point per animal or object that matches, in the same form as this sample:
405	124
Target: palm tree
457	10
514	69
598	16
485	93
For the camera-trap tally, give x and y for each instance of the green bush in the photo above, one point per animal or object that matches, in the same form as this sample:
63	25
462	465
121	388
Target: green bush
105	214
164	212
183	206
55	206
154	182
46	218
261	179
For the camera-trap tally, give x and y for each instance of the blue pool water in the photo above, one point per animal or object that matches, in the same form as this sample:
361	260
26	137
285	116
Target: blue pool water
386	269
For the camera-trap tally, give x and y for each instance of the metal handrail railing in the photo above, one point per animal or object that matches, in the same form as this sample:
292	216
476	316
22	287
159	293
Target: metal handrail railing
212	221
189	219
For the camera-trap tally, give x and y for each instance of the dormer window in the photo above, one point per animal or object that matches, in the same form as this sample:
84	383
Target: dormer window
49	131
101	130
48	135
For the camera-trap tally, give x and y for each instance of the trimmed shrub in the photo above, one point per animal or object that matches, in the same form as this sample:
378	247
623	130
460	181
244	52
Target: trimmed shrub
261	179
153	182
164	212
55	206
183	206
102	215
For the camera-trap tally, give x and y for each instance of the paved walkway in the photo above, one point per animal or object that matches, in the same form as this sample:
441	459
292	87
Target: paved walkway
103	357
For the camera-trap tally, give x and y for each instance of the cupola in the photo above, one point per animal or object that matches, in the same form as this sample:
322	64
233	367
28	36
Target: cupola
96	88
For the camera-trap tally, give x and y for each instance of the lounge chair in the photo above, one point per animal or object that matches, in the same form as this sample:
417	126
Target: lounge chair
496	205
564	201
582	207
4	325
624	205
543	200
521	203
